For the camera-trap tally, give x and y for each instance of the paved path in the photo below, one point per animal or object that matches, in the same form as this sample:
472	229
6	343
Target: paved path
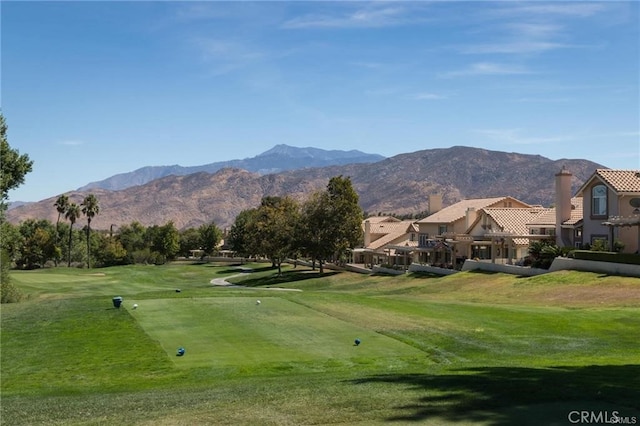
222	282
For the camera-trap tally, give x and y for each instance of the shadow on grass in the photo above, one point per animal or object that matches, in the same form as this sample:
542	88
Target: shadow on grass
517	395
287	277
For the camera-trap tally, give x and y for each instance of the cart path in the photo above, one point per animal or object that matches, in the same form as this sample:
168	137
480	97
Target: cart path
222	282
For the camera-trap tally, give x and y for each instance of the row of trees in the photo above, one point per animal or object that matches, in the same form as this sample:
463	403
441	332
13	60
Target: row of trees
71	211
321	228
36	242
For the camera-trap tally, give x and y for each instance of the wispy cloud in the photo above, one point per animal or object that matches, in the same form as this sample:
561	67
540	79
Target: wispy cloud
71	142
515	47
544	100
488	68
371	15
516	137
548	10
526	28
425	96
226	56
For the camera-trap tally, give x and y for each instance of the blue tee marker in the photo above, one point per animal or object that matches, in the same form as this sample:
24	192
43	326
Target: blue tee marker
357	342
180	352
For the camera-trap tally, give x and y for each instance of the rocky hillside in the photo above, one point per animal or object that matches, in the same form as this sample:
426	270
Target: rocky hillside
400	184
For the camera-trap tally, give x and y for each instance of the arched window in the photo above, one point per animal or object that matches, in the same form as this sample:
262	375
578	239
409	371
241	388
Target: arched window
599	200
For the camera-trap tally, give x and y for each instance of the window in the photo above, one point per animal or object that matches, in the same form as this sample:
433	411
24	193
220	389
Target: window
599	200
442	229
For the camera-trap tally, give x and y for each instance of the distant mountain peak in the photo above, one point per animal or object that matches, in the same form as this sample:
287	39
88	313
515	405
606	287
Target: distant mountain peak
278	159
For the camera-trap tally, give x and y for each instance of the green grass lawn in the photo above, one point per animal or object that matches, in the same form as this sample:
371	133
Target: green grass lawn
472	348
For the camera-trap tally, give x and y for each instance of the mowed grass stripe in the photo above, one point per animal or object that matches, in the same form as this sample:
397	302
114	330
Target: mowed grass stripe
235	331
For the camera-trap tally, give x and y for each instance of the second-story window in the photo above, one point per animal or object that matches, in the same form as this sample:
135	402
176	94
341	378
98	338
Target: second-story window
442	229
599	200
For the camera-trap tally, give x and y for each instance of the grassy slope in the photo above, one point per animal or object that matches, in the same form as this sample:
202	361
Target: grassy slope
475	348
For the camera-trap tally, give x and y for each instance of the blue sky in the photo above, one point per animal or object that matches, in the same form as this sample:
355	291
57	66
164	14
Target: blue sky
92	89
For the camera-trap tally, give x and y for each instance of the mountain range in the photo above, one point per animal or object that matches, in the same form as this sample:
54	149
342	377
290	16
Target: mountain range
399	184
278	159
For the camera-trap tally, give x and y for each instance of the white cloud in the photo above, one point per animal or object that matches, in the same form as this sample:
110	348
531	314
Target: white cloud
71	142
488	68
552	9
372	15
517	47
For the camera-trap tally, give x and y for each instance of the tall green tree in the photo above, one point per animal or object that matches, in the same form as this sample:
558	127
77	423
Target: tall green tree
331	221
346	216
210	236
273	229
189	240
90	208
164	240
61	205
13	166
72	215
238	238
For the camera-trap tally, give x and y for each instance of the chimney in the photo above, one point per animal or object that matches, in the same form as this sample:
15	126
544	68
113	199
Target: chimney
563	203
367	233
435	203
470	217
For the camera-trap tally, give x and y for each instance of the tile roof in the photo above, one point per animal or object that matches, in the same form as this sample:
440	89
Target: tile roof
458	210
514	220
621	180
391	231
547	217
377	219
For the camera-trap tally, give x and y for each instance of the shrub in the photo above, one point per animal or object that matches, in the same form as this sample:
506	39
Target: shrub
9	293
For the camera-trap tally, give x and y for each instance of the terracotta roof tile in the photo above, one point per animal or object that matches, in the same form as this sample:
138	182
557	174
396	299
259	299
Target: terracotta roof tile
621	180
514	220
391	231
548	217
458	210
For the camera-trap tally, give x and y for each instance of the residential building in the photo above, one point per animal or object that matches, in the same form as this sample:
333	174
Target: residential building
611	207
387	240
444	235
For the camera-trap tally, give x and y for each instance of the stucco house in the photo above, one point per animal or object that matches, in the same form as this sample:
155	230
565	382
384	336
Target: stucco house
386	240
501	233
444	236
611	209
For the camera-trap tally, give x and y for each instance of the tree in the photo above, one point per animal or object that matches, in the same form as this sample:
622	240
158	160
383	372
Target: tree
61	205
210	236
38	243
313	228
345	216
164	240
90	208
273	229
72	214
238	238
13	166
132	237
189	240
110	251
331	221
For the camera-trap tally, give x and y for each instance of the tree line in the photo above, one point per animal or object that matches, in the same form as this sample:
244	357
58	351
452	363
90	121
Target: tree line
323	227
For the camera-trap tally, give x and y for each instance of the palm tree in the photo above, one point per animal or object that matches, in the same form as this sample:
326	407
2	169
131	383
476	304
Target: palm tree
61	205
90	208
72	214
